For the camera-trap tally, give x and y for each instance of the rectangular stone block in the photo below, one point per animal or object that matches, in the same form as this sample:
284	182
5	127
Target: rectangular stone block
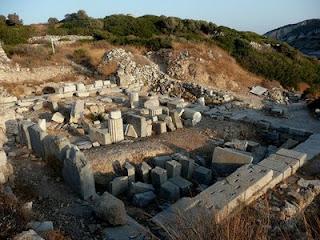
283	168
159	127
186	163
184	185
170	191
251	179
202	175
36	137
144	171
139	123
302	157
173	168
176	119
160	161
77	173
77	111
24	133
230	156
139	187
130	171
102	136
119	185
143	199
158	176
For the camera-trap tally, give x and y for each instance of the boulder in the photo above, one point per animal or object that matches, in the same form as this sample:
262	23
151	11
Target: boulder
77	173
111	209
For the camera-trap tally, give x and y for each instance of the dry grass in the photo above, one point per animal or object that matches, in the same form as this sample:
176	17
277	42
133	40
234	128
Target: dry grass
12	218
222	69
247	225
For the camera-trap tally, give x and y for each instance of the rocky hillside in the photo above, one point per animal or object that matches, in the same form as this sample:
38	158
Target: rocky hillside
304	36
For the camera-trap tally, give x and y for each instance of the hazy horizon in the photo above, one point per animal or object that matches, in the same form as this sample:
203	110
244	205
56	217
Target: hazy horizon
245	15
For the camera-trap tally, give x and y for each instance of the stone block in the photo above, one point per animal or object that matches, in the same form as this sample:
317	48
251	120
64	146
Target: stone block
55	148
143	199
129	131
24	133
36	137
159	127
57	117
42	124
158	176
184	185
77	173
230	156
169	191
173	168
302	157
119	185
251	178
139	123
186	163
80	87
176	119
140	187
77	111
202	175
143	171
152	102
98	84
160	161
130	171
110	209
134	99
102	136
69	88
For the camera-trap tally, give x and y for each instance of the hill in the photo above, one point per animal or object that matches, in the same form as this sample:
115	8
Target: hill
260	55
304	36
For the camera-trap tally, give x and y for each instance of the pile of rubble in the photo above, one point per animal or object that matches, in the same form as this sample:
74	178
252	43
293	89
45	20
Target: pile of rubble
132	75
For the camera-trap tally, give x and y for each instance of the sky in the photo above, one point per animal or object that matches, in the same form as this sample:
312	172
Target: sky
246	15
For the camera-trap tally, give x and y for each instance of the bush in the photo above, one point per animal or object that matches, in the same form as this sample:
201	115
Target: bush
15	34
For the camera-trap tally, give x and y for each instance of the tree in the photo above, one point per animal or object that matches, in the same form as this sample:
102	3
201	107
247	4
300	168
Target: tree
82	15
14	19
53	21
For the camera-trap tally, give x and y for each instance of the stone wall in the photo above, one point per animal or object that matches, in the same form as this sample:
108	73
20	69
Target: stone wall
242	187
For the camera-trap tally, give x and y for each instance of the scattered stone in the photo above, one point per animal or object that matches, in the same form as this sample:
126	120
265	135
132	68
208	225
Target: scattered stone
41	227
139	187
130	171
158	176
202	175
110	209
119	185
102	136
42	124
143	171
183	184
173	169
58	117
78	174
143	199
130	131
170	191
28	235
